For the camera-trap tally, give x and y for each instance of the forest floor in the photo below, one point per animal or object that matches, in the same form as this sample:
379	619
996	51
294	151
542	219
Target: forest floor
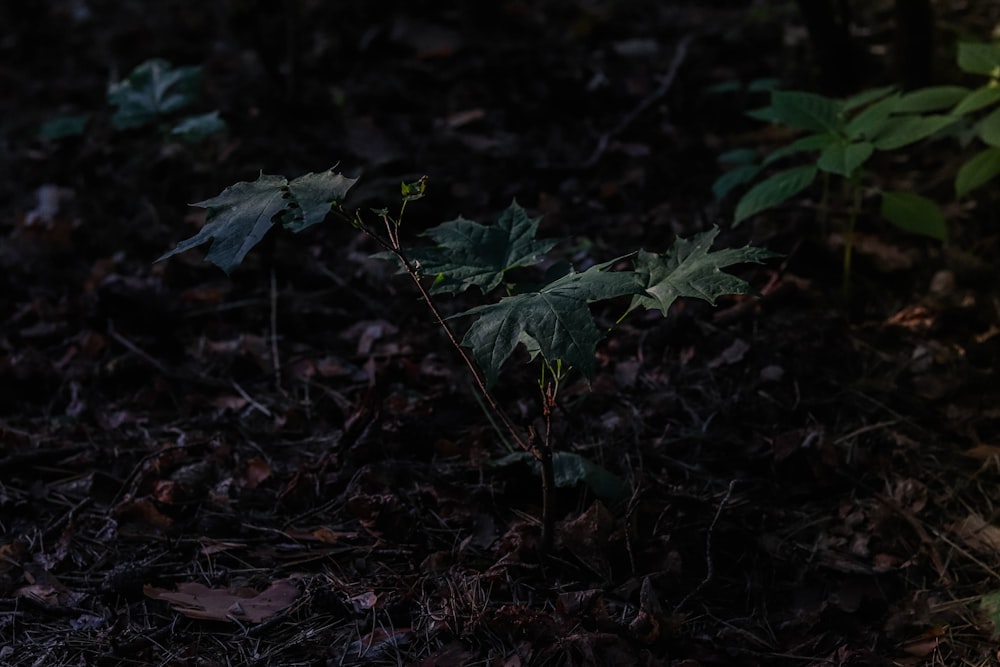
288	466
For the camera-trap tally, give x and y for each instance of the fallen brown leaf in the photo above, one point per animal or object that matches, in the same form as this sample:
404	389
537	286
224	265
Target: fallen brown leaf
244	605
977	534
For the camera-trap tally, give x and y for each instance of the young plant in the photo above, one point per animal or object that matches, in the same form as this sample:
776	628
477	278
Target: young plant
552	320
984	166
155	92
841	136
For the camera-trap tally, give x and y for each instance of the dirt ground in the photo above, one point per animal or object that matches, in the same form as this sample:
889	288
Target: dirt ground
288	466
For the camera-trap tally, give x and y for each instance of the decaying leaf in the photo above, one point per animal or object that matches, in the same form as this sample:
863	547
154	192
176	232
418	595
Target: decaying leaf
977	534
243	605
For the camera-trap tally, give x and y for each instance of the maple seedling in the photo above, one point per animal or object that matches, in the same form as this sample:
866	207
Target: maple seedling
154	93
552	320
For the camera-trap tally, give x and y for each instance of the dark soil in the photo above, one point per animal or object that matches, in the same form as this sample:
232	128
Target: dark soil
811	477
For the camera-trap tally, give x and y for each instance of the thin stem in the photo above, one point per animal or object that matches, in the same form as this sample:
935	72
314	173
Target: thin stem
549	394
393	246
824	204
855	192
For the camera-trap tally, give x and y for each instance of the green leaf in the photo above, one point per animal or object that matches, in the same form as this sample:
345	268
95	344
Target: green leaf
907	130
569	470
812	142
866	97
977	99
979	58
934	98
988	128
556	317
734	178
153	89
62	127
242	214
981	168
871	120
688	269
737	156
196	128
413	191
312	197
913	213
806	111
237	220
765	84
764	114
468	253
773	191
844	158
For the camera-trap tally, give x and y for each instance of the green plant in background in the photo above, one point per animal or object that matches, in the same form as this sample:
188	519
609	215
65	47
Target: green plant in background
154	93
984	166
551	319
840	136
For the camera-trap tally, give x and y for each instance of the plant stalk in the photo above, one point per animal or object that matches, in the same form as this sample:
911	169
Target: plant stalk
541	452
852	221
548	470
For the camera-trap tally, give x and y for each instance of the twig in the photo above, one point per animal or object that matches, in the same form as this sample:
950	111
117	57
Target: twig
134	349
275	361
925	538
709	565
680	54
167	372
249	399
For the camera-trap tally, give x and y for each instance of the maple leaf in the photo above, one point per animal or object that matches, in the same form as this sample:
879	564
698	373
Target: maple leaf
468	253
688	269
554	320
313	195
153	89
243	213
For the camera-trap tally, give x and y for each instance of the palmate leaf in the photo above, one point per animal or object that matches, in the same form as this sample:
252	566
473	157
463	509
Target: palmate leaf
866	97
914	213
989	128
979	58
812	142
906	130
470	254
556	318
197	128
806	111
243	213
734	178
844	158
872	119
688	269
981	97
312	197
773	191
153	89
981	168
934	98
